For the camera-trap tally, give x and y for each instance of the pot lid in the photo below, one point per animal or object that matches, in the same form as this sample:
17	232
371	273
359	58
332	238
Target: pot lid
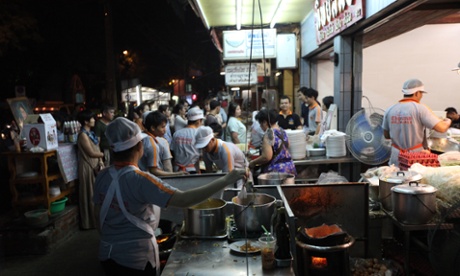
414	188
401	177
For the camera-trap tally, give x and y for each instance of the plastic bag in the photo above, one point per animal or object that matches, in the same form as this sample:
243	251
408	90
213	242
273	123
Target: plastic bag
450	158
331	177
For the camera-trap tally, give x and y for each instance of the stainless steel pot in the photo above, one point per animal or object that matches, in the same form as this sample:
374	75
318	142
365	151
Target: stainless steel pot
253	211
389	181
414	203
206	219
274	178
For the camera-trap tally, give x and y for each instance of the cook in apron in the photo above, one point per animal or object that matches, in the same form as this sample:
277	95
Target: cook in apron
114	190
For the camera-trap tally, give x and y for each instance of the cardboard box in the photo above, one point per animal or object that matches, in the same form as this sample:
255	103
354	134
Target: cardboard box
40	131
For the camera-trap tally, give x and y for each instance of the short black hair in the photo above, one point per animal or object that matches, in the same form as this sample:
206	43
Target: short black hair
84	115
106	108
285	97
154	119
303	90
451	110
213	104
163	107
327	101
312	93
269	116
216	128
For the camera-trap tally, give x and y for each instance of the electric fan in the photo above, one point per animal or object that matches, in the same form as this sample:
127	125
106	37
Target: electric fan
365	139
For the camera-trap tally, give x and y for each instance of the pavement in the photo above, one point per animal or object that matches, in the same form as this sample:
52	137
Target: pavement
76	256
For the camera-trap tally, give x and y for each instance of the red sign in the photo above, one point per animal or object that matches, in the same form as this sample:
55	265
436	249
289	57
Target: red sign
334	16
34	136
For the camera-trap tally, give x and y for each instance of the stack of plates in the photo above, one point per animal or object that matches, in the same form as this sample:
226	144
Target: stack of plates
297	143
335	146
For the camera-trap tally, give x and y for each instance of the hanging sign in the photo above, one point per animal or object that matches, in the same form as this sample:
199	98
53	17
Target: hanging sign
249	44
240	74
334	16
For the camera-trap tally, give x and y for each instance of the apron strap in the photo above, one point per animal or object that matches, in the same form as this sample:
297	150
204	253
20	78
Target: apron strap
133	219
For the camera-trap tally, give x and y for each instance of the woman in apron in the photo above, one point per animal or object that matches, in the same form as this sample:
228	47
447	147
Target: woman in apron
128	245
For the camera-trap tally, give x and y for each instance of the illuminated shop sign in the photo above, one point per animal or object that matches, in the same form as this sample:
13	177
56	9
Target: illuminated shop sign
334	16
249	44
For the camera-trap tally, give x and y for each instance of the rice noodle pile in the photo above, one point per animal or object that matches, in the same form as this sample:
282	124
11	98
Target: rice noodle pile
445	179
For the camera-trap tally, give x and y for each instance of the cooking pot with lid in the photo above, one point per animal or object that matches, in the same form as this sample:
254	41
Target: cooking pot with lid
390	180
414	203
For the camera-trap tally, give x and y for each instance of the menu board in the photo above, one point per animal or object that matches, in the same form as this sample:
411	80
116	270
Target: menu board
67	160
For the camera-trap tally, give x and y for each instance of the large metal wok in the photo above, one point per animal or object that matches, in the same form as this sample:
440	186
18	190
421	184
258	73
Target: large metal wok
442	145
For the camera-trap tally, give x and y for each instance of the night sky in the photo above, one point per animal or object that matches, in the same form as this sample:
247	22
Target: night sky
53	39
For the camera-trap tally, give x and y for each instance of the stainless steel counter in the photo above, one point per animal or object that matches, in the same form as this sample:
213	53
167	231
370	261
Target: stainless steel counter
213	257
316	160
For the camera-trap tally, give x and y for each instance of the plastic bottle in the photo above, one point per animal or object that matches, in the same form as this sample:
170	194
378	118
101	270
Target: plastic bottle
283	251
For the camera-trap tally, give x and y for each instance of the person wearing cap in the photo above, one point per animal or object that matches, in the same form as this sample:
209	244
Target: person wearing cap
406	121
157	155
127	240
287	119
186	155
275	156
226	156
452	114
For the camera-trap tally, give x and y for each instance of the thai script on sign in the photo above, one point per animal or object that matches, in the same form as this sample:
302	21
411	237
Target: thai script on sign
334	16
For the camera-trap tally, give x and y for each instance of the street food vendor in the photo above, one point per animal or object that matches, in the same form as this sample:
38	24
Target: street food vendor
452	114
275	156
128	245
406	121
287	119
225	155
186	155
309	96
157	157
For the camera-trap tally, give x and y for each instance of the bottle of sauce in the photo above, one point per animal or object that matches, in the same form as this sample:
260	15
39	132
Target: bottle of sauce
283	251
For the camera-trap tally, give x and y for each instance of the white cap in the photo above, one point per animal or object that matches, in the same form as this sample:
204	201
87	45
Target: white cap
203	135
413	85
123	134
194	114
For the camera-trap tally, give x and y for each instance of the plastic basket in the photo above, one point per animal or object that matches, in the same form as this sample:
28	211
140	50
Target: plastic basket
58	205
406	159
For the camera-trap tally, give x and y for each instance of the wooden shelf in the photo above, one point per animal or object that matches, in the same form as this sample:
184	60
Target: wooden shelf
38	162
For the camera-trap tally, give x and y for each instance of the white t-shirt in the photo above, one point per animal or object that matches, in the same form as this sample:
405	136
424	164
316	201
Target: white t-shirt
235	125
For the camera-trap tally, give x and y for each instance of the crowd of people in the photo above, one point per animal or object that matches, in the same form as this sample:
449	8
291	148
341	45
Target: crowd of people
138	149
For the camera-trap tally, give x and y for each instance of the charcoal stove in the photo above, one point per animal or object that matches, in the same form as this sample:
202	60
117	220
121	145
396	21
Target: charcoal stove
308	206
323	260
323	250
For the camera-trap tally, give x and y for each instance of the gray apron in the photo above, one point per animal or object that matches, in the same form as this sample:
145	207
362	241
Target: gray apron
114	190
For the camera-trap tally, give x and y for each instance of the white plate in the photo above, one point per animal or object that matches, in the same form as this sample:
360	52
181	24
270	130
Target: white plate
28	174
236	246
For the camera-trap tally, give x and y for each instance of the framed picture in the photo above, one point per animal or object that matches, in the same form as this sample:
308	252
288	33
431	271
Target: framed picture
21	109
